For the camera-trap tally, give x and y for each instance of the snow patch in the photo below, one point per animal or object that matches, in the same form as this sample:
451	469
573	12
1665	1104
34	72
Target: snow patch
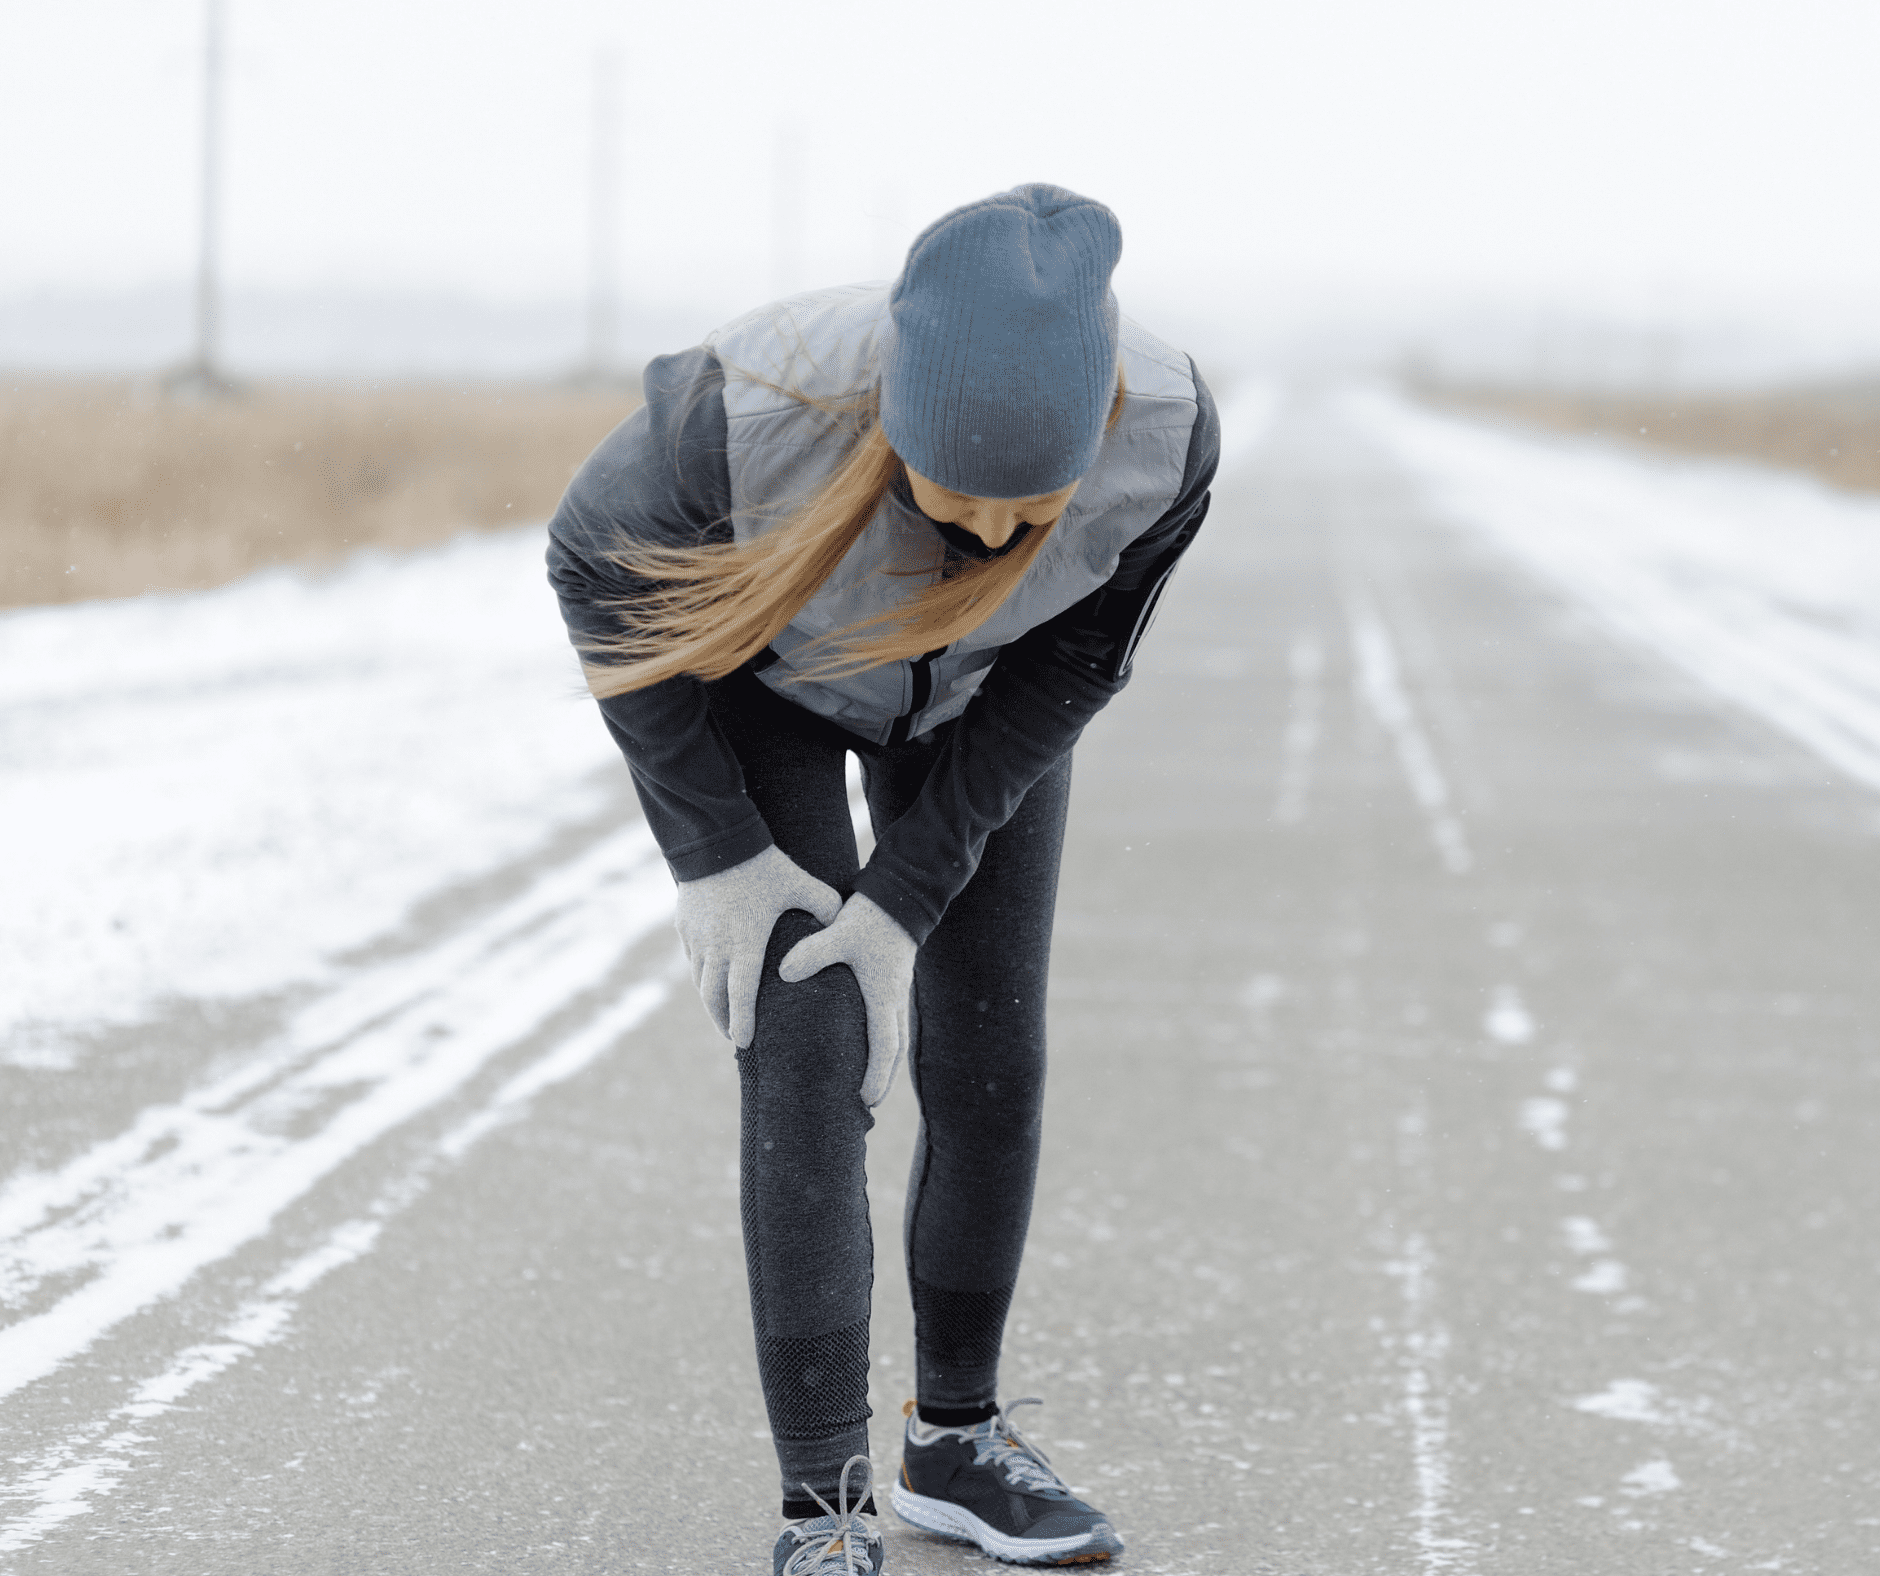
1584	1235
63	1481
1545	1119
1508	1021
210	794
1761	584
132	1219
1604	1279
1625	1401
1652	1477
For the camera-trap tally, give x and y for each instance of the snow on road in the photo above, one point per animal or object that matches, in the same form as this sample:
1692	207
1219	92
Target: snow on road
211	794
135	1216
1761	584
227	793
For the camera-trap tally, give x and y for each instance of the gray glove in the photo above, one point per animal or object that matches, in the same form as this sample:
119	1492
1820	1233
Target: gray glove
881	954
725	922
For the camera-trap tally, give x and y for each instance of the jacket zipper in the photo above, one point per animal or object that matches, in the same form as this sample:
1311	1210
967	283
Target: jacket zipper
923	692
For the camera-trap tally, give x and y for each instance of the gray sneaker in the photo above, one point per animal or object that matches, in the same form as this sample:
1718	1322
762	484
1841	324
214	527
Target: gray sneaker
989	1485
838	1543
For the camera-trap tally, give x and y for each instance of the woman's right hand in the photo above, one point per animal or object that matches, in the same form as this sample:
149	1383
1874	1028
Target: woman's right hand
725	922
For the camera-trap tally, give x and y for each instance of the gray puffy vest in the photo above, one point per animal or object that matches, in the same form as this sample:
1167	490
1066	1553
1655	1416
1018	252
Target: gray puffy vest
781	451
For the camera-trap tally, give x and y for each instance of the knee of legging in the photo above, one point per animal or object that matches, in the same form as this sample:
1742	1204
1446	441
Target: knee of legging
819	1023
991	1111
811	1030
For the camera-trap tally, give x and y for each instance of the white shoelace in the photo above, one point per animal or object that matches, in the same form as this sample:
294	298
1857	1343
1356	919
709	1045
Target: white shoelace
847	1540
1025	1465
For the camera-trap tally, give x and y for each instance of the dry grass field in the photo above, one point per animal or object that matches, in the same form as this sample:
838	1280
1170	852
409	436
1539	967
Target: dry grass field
107	489
1834	432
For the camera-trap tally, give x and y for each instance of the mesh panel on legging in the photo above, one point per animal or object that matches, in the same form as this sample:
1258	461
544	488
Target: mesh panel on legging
977	1067
814	1381
960	1329
978	1070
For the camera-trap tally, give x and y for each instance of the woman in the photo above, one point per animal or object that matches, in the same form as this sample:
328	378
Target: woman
925	524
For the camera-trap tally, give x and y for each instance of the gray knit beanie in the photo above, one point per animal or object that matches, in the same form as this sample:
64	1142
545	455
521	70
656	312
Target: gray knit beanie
999	359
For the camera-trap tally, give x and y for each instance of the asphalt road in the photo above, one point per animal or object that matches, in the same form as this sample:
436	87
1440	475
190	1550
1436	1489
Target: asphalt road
1466	1058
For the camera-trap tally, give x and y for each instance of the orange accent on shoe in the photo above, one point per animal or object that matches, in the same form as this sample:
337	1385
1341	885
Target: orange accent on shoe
907	1409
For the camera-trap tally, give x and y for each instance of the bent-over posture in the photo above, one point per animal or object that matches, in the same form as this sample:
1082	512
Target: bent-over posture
925	524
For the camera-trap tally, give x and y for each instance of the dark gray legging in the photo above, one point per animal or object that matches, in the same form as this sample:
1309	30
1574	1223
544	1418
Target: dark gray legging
976	1063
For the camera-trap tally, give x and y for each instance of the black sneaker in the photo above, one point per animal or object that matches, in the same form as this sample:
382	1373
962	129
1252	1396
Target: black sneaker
987	1484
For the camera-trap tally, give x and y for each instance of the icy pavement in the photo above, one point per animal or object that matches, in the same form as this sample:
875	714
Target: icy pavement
1761	583
1464	1101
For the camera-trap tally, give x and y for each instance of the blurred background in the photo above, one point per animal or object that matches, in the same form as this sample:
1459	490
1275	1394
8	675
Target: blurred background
278	279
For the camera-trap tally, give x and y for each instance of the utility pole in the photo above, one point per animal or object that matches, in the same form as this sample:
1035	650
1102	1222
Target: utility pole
603	315
201	374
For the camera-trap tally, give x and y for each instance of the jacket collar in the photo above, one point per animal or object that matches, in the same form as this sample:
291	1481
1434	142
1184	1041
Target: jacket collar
957	538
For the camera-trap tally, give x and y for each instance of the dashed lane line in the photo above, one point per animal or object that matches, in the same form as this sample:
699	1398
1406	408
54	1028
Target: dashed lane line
1379	680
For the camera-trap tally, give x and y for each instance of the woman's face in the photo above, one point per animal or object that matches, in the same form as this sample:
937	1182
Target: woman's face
993	520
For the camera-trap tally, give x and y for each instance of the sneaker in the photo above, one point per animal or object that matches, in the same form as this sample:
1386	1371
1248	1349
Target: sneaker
838	1543
987	1484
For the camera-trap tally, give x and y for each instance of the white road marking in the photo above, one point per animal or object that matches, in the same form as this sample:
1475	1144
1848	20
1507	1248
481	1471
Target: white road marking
1425	1388
1306	663
1760	585
62	1482
138	1215
1379	682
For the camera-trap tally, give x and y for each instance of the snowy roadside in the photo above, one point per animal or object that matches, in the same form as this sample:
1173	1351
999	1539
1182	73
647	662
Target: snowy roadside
212	794
1762	584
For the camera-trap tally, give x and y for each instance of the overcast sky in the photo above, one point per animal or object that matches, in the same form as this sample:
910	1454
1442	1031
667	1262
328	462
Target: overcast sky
1620	145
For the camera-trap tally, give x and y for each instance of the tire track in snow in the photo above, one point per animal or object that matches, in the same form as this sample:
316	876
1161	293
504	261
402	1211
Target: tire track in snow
1757	585
1379	681
61	1482
189	1183
1305	661
1424	1342
1425	1375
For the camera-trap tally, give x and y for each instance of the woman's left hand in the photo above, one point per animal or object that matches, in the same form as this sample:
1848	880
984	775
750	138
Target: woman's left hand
881	955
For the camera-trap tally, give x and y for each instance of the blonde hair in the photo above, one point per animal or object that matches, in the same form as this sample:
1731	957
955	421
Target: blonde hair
718	604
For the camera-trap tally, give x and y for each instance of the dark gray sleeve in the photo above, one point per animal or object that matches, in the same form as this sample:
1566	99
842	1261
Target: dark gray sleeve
1035	702
660	476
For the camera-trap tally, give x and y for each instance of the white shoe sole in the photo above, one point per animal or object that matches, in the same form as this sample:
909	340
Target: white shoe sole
953	1521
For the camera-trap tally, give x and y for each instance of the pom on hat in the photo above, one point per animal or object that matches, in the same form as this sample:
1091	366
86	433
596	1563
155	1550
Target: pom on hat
999	357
